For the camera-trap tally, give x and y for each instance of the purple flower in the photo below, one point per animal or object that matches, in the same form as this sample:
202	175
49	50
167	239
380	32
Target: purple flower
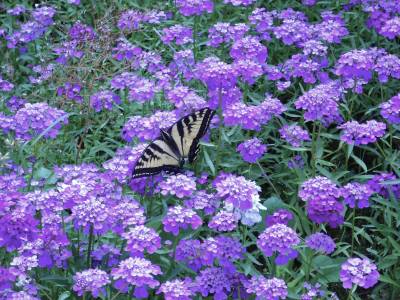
183	63
147	128
16	10
130	20
293	31
224	249
386	66
224	221
279	238
44	15
356	194
321	103
104	100
252	150
15	103
125	50
190	252
377	184
68	50
34	119
239	2
216	74
180	217
332	28
249	47
194	7
390	110
142	90
185	100
321	242
263	21
225	33
178	185
201	200
391	28
81	32
355	133
5	85
321	195
91	280
297	162
213	280
248	70
177	289
45	72
140	238
273	289
135	271
236	190
294	134
180	34
126	213
281	216
71	91
312	291
308	2
360	272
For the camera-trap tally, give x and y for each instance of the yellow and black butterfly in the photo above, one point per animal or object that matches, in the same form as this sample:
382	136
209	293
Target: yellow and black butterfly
175	145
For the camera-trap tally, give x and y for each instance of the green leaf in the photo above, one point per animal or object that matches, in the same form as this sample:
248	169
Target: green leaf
359	162
209	163
42	172
64	295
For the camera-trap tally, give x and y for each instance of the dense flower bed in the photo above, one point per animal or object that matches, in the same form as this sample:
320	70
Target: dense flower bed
295	191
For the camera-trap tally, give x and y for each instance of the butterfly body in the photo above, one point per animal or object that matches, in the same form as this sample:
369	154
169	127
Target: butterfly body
174	146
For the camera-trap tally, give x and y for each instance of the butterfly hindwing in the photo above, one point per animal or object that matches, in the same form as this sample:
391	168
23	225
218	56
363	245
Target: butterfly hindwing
157	157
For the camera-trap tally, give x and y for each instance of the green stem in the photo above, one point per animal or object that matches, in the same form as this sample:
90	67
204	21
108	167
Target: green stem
89	249
315	136
352	229
268	179
221	118
195	28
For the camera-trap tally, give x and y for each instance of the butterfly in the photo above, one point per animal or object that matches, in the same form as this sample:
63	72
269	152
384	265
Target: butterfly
175	145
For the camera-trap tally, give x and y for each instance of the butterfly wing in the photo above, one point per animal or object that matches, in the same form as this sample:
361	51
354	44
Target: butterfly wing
157	157
188	131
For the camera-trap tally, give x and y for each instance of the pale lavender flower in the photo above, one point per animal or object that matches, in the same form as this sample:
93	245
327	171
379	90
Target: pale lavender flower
360	272
104	100
190	252
263	21
239	2
15	103
387	66
356	194
249	70
281	216
177	289
81	32
91	280
194	7
391	28
178	185
321	242
312	291
332	29
224	221
213	280
5	85
135	271
294	134
179	34
355	133
16	10
225	33
143	90
201	200
249	47
179	217
279	238
273	289
390	110
140	238
252	150
379	184
130	20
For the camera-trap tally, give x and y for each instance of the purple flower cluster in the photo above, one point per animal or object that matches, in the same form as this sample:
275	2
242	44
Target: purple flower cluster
279	238
264	288
177	289
356	194
240	2
294	134
224	221
360	272
180	217
390	110
35	119
130	20
91	280
180	34
379	184
81	32
221	33
104	100
281	216
72	91
321	195
236	190
5	85
321	242
252	150
355	133
136	271
140	238
147	128
194	7
249	47
321	103
15	103
178	185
